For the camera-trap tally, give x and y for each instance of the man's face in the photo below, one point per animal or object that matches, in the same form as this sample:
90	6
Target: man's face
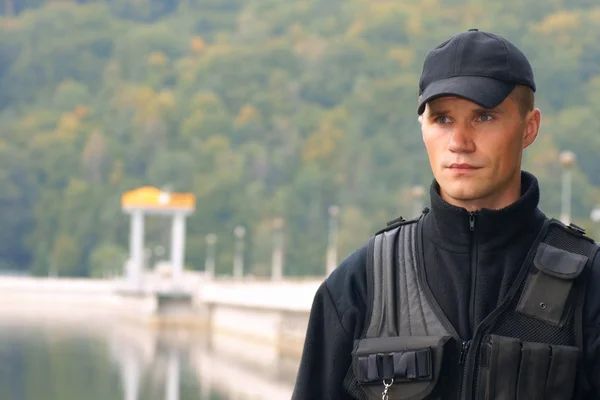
475	153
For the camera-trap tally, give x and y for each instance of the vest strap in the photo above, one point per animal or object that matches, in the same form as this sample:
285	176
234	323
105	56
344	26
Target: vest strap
399	306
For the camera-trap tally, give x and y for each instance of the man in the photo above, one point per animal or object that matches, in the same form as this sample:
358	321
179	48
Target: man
481	297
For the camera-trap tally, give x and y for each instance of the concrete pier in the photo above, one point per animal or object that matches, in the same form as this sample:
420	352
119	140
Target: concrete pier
266	318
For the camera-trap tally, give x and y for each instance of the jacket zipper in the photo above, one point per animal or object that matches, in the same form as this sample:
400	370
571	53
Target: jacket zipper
473	269
466	345
464	351
462	362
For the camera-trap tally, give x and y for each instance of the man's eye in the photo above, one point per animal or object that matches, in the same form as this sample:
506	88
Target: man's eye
442	120
486	117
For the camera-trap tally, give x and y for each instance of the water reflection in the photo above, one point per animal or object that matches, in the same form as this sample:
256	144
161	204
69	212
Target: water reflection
103	360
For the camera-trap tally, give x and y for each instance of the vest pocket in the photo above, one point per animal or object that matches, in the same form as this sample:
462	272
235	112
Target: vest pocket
547	290
410	365
513	369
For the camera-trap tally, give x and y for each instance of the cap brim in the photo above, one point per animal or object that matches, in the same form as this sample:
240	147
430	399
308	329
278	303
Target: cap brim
486	92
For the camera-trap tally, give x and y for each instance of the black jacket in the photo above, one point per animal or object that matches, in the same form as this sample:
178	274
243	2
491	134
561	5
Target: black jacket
467	290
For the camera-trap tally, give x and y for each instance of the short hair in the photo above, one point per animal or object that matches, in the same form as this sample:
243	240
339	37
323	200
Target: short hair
525	99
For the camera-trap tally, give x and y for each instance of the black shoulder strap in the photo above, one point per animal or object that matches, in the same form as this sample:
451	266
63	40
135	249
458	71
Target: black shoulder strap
396	222
571	238
370	273
350	382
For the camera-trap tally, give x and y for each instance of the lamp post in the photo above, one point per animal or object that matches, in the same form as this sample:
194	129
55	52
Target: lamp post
209	267
595	214
334	212
595	217
277	260
238	259
567	160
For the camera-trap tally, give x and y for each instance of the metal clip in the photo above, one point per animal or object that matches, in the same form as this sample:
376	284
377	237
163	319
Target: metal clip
386	387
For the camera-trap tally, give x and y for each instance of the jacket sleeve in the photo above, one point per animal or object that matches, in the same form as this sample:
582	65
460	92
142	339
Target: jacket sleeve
591	329
326	356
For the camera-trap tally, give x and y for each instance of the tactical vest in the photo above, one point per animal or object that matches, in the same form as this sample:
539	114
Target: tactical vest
528	348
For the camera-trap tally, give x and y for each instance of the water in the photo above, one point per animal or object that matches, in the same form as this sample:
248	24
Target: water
111	362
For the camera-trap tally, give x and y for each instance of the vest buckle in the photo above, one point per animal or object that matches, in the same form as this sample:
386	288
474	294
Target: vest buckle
395	221
386	387
577	228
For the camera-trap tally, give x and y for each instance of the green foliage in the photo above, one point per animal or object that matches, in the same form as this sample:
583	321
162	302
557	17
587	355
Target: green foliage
262	109
107	260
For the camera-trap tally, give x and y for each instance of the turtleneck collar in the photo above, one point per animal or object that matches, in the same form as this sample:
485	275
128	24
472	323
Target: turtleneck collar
450	226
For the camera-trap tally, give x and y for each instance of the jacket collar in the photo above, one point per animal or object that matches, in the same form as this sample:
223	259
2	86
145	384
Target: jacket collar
450	226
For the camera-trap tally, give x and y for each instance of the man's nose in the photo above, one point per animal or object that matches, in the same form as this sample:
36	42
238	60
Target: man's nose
461	139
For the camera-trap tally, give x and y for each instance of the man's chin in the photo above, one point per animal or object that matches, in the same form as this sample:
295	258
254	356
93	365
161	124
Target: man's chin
461	191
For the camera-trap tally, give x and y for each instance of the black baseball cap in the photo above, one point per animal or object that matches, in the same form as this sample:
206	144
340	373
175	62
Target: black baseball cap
478	66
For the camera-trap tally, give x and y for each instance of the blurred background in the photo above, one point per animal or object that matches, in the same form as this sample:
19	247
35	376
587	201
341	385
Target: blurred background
178	176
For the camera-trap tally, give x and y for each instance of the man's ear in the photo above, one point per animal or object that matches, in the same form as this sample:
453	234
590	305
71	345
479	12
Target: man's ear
532	127
420	119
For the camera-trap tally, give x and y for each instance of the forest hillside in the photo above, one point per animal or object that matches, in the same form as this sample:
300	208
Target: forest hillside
263	109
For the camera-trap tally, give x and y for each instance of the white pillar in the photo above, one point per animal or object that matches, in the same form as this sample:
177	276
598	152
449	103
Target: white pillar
333	239
172	385
177	247
209	267
136	248
277	260
130	373
238	258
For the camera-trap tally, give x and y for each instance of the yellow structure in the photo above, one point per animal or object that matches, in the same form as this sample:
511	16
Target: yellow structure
150	200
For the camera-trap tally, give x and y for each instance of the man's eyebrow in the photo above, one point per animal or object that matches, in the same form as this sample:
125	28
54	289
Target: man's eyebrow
496	110
436	112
